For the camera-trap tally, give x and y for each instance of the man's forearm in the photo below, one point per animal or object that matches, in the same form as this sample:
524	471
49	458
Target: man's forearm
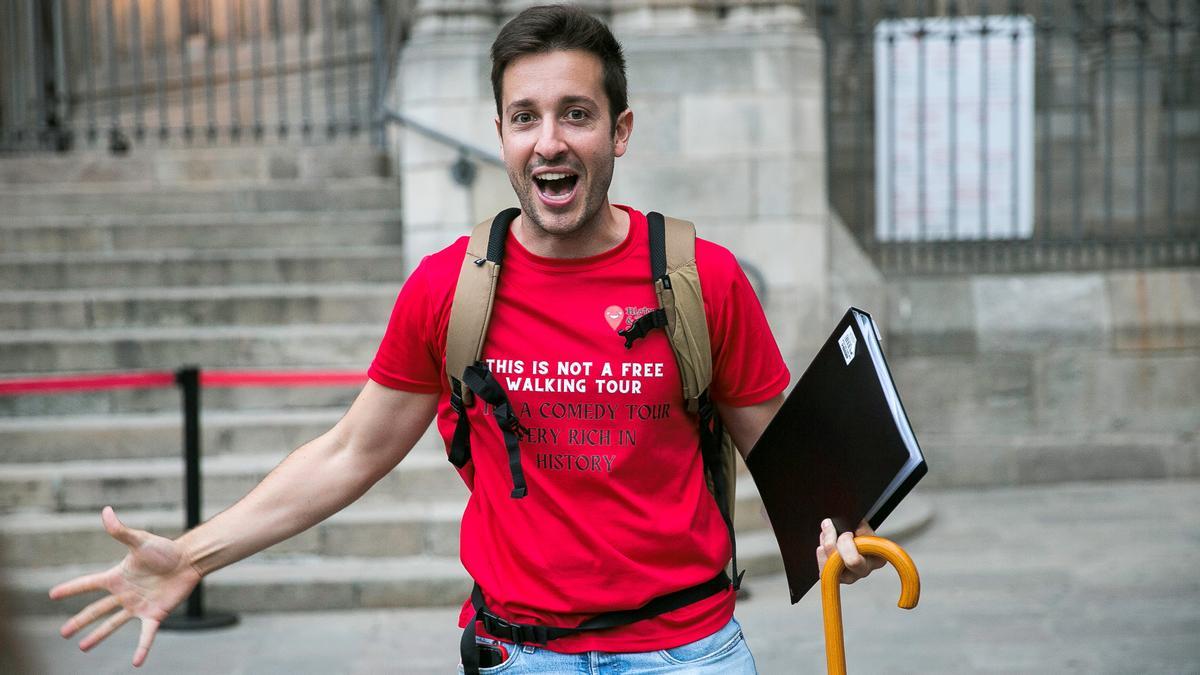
317	480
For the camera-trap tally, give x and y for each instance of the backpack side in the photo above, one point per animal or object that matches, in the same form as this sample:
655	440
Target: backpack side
679	294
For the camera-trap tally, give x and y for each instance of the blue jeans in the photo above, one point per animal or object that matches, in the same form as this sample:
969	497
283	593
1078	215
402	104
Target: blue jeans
722	653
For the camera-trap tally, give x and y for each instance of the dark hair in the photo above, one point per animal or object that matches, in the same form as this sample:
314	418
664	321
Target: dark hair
547	28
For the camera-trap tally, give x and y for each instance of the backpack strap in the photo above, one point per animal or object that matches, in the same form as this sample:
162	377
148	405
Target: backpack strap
672	269
469	376
681	313
520	633
473	296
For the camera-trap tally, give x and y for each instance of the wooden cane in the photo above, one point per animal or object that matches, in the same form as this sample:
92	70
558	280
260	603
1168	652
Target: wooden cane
831	597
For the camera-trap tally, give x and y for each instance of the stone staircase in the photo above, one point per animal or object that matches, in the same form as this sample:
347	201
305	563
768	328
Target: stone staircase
234	257
279	257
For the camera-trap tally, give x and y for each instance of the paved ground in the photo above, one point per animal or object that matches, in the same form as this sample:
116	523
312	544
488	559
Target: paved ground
1081	578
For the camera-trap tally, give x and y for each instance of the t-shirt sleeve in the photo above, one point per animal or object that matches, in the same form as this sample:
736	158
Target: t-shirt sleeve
747	365
409	357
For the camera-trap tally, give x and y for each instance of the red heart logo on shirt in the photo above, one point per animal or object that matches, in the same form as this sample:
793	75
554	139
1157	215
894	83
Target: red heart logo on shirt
613	316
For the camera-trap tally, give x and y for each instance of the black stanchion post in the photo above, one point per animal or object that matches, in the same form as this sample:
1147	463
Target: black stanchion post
195	618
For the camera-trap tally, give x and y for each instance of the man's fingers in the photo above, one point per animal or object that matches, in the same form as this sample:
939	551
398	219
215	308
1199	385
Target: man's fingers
855	562
864	529
105	629
149	630
89	614
83	584
828	535
117	530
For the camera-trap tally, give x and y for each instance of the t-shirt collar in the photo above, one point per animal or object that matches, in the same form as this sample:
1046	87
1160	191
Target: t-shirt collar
637	228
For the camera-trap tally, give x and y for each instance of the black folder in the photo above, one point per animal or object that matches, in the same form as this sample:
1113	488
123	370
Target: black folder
840	447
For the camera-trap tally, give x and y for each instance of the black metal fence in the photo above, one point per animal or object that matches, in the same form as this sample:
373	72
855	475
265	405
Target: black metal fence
1003	136
114	72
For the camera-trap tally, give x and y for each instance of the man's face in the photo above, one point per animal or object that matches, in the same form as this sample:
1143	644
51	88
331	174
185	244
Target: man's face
557	138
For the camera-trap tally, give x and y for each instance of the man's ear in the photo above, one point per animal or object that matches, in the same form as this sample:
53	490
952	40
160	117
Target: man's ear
500	137
622	133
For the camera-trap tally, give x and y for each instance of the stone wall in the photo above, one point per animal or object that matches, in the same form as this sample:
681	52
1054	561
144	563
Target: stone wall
1041	378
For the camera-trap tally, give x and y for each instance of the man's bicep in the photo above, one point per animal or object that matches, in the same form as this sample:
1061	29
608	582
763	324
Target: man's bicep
747	423
383	424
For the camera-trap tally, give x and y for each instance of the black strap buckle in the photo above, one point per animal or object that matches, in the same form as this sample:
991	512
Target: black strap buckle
456	403
508	420
644	324
513	632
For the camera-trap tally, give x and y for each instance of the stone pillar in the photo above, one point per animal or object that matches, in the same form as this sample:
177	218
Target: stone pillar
510	8
460	18
729	132
766	14
662	16
442	82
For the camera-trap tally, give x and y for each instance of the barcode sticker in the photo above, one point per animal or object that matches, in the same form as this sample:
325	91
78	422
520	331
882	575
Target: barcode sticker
848	342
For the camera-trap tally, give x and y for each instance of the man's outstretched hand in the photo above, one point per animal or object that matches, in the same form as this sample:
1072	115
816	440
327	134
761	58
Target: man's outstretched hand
857	565
154	577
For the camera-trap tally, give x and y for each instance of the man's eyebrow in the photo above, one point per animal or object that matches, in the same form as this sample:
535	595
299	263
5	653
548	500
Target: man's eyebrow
566	100
523	103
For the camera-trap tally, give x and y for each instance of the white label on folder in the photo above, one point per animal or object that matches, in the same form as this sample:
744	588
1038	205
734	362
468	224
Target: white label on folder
847	342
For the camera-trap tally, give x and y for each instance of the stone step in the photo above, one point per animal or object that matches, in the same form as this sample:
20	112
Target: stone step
413	511
291	583
309	346
298	583
275	581
183	267
196	306
155	436
166	400
53	488
171	166
361	530
34	441
211	196
131	232
139	484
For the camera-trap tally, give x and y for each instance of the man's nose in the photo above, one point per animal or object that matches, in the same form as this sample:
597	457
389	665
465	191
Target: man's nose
550	142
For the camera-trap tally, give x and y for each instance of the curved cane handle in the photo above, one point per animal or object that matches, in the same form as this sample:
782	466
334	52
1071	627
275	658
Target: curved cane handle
831	598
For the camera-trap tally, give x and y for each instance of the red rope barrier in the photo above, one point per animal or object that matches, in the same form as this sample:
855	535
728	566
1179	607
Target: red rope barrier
255	378
68	383
156	380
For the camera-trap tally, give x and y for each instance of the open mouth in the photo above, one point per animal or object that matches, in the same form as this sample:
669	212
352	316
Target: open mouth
556	187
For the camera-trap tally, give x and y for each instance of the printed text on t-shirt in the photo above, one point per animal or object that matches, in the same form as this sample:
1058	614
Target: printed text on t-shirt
579	447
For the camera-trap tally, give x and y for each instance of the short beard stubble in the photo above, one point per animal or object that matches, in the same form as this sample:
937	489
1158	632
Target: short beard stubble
593	199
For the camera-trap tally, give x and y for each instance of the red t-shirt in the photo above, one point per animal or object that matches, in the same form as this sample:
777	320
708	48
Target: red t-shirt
617	512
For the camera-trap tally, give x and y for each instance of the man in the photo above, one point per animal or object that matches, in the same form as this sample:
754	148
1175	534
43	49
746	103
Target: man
616	512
